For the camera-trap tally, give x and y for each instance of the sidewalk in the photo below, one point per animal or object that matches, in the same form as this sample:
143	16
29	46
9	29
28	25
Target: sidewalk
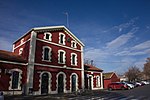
63	96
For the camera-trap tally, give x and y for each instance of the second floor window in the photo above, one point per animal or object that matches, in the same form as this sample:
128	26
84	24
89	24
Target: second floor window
61	56
62	38
47	53
73	59
48	36
73	44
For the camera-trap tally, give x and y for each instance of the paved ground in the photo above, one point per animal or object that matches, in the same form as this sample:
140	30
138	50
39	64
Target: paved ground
140	93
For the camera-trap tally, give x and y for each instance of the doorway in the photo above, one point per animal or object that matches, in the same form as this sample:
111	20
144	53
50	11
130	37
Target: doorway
45	83
61	83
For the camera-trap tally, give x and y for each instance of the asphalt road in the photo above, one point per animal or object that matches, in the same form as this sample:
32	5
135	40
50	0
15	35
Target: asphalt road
139	93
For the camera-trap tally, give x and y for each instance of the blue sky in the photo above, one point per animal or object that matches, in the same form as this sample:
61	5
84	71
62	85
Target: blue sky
116	33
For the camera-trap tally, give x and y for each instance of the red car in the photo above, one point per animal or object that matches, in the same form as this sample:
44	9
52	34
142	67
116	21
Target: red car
117	85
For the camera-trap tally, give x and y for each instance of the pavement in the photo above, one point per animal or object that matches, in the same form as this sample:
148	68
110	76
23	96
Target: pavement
64	96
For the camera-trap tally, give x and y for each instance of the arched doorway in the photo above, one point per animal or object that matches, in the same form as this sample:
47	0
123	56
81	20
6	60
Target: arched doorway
61	83
74	83
45	83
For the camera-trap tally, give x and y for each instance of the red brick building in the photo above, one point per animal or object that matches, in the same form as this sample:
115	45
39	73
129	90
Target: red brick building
109	78
93	77
12	72
47	60
54	61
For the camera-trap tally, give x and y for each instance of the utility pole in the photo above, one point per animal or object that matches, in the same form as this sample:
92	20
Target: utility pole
67	18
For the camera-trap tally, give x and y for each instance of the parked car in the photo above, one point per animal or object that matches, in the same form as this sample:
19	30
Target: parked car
129	84
144	82
117	85
137	84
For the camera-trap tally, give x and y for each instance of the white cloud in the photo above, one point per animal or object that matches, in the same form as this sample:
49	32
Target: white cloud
141	46
123	26
121	40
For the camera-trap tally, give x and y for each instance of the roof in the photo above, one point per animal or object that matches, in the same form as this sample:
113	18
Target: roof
10	56
52	28
108	75
92	68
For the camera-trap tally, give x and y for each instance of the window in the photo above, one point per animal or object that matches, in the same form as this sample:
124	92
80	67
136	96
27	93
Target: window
97	81
15	80
62	38
73	44
20	51
61	56
73	59
48	36
22	40
46	53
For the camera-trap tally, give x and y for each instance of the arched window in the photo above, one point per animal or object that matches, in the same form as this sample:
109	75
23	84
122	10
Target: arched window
73	59
20	51
46	53
62	38
61	56
97	81
15	80
48	36
73	44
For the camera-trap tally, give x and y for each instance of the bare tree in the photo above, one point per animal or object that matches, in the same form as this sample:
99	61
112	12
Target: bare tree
146	69
133	73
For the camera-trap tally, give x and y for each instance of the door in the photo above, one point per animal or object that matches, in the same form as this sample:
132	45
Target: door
74	83
60	83
45	83
90	82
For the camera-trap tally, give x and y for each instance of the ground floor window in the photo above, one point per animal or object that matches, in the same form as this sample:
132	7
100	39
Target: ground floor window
15	80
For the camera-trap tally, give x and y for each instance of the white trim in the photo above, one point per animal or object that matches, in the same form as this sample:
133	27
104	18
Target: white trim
76	81
22	41
93	71
49	82
64	57
50	36
57	66
13	62
19	80
76	60
31	60
64	36
98	81
59	45
59	27
82	67
64	81
49	54
21	44
75	44
102	81
20	51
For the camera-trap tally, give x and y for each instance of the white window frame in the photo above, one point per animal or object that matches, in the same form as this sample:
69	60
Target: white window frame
11	78
63	38
49	81
75	44
50	36
50	53
76	81
20	51
75	59
64	57
97	81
